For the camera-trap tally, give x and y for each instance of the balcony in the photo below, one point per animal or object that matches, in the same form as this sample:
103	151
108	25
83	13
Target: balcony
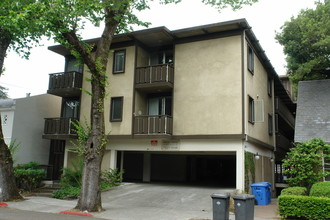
155	78
153	125
59	128
66	84
284	112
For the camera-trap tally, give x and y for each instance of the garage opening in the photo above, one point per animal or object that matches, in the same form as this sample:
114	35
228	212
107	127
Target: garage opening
217	170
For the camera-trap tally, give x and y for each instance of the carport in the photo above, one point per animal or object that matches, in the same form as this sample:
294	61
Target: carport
218	169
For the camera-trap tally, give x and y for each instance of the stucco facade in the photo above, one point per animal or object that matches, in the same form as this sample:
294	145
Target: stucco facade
185	113
25	124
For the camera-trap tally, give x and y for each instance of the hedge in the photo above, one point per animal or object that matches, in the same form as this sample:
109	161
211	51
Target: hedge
296	190
308	207
28	176
321	189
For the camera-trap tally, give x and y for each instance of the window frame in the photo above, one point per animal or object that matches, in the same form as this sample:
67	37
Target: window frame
270	125
250	59
112	101
269	86
251	110
114	61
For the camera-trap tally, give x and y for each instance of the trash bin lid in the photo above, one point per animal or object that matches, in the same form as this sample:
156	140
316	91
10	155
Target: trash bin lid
244	197
220	195
264	184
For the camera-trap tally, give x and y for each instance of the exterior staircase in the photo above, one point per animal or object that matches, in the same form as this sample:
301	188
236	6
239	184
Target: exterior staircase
47	189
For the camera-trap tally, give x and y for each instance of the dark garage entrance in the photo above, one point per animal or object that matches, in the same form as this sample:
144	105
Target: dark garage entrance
218	170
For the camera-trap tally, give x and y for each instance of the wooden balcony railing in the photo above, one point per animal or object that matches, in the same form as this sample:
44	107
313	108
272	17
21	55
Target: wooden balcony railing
155	75
158	124
65	84
59	126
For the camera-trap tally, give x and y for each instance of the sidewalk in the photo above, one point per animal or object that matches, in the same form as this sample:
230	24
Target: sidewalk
148	203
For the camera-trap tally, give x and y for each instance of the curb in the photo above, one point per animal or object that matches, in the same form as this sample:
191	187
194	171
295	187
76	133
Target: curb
76	213
2	204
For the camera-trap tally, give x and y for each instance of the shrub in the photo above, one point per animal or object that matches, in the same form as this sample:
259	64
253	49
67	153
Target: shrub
297	191
304	207
321	189
72	177
67	193
112	176
303	164
28	176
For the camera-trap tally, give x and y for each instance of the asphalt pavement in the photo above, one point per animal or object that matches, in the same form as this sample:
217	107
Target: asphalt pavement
139	201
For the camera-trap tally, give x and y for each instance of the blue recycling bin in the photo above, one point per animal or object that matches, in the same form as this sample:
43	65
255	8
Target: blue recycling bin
262	192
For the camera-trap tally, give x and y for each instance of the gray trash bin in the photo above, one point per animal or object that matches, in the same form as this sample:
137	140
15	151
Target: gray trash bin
244	207
220	205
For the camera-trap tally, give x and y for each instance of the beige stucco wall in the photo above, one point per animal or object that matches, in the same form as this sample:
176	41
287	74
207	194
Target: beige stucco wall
208	87
28	126
256	88
119	85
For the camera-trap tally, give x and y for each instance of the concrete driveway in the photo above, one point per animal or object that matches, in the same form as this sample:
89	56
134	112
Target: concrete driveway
141	201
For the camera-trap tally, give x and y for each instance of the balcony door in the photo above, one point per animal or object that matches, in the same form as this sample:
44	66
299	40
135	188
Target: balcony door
72	64
70	108
161	57
161	105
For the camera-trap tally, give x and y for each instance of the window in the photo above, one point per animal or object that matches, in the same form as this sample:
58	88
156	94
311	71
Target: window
161	105
269	86
72	64
116	112
70	108
251	110
270	124
119	61
250	60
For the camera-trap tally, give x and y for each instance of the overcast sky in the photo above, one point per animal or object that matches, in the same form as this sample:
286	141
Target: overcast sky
265	17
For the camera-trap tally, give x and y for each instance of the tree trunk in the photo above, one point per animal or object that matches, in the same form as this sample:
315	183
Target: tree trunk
8	189
90	196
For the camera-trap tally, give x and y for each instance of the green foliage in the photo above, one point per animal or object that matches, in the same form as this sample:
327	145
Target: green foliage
304	207
303	164
321	189
112	177
72	177
83	132
236	4
3	93
20	23
66	193
297	191
306	40
249	170
28	176
13	147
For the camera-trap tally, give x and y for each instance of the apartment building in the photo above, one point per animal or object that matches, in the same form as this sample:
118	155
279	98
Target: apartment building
183	106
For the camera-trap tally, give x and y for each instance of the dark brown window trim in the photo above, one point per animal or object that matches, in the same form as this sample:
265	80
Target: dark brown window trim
114	59
121	108
250	59
270	125
269	86
251	108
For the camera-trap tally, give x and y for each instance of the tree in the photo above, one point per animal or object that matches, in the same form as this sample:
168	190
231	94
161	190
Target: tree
65	20
304	163
18	31
3	93
306	41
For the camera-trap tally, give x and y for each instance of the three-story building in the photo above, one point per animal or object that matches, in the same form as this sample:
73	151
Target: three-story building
182	106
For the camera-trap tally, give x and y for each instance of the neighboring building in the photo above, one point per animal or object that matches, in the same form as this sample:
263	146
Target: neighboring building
23	122
184	105
313	112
